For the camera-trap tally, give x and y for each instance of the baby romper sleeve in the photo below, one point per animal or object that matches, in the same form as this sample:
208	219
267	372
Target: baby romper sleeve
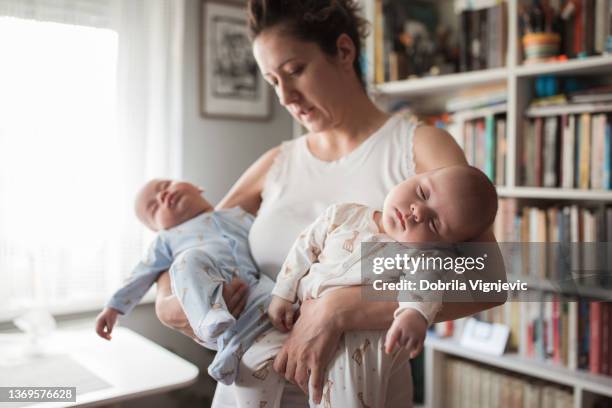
304	252
158	259
427	303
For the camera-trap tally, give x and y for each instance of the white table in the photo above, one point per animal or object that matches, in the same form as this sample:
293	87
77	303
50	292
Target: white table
128	366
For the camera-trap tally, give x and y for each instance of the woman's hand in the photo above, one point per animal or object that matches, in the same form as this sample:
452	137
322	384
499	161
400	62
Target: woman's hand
310	347
171	314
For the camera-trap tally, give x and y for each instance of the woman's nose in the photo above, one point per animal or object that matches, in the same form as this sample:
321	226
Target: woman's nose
286	94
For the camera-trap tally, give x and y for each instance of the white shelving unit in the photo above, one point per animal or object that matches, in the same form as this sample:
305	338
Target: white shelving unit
583	383
519	82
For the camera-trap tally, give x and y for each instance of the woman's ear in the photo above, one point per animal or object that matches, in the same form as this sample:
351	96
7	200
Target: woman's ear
346	51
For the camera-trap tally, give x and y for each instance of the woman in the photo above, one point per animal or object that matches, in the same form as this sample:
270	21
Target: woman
309	51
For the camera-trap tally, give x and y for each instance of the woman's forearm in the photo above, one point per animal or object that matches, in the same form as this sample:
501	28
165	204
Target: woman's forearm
452	311
350	312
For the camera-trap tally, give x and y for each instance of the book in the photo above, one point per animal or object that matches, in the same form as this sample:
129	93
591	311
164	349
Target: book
595	340
550	152
502	152
585	150
490	143
568	143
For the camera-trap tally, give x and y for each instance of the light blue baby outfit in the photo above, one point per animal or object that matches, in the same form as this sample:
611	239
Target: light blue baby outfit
202	254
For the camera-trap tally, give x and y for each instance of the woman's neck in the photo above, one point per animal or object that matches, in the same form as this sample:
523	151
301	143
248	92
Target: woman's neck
360	119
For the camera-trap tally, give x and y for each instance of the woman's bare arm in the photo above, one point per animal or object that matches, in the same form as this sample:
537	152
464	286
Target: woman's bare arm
433	148
246	192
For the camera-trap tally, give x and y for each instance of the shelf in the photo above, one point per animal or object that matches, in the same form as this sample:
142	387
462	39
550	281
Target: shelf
555	193
590	65
513	362
568	109
577	290
442	83
481	112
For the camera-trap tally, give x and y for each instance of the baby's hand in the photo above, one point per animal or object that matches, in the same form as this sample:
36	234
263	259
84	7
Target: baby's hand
105	322
281	313
408	330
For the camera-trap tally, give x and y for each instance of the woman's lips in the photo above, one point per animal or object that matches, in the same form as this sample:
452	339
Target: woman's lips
305	113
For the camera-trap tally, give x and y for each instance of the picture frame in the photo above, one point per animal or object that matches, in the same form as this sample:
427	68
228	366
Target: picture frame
230	84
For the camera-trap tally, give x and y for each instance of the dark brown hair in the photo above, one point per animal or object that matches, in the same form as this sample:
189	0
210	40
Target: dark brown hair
318	21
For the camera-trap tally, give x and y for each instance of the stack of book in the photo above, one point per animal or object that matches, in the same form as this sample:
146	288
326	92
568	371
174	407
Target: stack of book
477	385
583	26
567	150
485	146
558	226
482	34
564	330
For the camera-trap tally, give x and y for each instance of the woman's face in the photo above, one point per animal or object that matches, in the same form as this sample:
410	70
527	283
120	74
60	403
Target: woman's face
308	83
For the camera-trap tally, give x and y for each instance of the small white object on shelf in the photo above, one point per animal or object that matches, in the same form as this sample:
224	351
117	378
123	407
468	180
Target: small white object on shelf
490	338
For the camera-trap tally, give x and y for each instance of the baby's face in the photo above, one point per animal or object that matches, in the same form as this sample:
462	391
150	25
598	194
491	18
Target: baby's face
163	204
431	207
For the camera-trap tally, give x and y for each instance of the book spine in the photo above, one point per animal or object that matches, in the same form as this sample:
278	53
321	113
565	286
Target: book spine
605	340
585	150
556	330
595	338
572	345
607	160
490	147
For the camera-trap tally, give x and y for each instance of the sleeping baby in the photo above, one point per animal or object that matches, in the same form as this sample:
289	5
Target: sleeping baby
203	249
444	206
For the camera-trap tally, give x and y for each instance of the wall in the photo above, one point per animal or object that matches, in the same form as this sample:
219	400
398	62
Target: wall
217	151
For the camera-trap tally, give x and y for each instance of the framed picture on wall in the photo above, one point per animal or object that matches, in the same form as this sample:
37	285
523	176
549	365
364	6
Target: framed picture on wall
230	83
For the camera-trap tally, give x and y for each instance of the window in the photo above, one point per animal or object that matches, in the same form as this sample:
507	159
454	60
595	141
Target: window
68	168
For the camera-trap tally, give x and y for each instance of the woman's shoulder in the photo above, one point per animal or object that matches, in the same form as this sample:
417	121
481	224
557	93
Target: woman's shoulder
434	148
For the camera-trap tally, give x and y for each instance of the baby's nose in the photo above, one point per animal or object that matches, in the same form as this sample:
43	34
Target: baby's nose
419	213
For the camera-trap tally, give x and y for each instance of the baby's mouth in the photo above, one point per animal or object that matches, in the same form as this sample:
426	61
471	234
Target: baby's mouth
401	219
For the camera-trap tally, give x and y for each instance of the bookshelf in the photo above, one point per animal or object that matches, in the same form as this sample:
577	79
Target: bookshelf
518	79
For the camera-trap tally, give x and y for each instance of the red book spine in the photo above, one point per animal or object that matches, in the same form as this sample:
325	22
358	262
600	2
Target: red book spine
609	307
605	338
595	343
578	28
556	320
539	154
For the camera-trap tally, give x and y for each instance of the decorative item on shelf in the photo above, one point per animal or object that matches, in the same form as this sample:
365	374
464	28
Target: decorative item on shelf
541	37
575	29
540	47
230	86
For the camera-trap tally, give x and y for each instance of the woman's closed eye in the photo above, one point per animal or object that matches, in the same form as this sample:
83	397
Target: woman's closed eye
296	70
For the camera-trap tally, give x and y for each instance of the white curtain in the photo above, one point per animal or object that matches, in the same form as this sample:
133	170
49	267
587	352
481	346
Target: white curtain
90	108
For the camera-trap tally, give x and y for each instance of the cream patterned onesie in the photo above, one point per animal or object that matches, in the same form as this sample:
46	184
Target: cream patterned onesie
327	256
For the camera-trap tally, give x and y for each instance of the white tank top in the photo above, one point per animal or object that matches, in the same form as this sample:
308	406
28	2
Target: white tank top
299	186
